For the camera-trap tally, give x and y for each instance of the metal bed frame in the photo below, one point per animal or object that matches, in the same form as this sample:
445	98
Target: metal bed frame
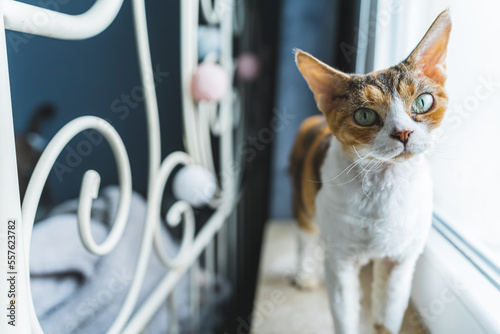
202	121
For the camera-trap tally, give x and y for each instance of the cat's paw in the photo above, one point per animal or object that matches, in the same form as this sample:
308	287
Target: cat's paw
305	281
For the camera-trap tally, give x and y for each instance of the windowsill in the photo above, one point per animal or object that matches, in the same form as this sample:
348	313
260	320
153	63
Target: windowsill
451	294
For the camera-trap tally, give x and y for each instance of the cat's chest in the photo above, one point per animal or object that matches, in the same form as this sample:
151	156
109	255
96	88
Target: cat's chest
396	192
378	213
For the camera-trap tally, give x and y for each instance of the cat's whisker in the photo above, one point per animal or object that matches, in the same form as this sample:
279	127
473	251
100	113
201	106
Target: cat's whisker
324	181
359	156
380	166
373	168
367	170
354	178
356	151
357	163
352	165
364	191
377	162
348	168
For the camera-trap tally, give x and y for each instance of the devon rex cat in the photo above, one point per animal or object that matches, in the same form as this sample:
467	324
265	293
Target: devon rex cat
360	173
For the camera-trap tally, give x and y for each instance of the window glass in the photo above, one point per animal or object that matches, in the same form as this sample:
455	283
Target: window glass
466	162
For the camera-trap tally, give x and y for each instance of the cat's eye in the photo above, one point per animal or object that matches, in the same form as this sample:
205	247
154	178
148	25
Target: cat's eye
422	104
365	117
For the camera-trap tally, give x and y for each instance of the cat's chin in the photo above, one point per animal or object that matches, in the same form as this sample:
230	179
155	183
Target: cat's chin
403	156
398	157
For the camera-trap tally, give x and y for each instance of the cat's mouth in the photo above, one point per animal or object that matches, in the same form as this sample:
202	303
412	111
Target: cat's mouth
403	155
395	154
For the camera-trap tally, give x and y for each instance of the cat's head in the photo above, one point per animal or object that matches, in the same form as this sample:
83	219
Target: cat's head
387	114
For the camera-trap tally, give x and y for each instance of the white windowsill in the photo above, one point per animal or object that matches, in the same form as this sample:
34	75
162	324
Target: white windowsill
451	294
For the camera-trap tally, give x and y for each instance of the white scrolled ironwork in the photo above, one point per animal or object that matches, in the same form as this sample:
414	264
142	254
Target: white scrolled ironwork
90	184
169	281
10	208
89	191
174	218
201	122
175	213
31	19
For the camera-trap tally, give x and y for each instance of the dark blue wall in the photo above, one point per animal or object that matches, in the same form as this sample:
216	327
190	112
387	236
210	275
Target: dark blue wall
310	26
87	77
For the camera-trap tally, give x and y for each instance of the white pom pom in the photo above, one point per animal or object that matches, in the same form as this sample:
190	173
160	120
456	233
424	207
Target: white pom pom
195	185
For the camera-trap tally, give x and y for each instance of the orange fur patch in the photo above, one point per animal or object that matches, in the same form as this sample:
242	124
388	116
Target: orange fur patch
307	157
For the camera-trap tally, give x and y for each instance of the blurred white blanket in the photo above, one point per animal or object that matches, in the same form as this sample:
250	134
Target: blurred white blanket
77	292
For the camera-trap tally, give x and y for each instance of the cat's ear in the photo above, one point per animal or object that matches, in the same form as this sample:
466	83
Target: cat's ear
326	83
429	57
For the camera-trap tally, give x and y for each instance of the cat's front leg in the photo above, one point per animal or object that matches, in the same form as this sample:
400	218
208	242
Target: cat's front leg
309	261
390	293
342	282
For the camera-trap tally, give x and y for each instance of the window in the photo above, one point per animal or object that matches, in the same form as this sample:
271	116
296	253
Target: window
466	161
465	241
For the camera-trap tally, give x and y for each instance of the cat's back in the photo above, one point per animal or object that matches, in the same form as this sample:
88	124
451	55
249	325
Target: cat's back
307	157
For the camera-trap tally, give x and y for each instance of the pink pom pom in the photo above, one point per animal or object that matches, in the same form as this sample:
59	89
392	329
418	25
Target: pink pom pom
209	83
247	67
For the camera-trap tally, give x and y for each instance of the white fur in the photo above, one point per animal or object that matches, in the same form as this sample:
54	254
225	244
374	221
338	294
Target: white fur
310	258
376	209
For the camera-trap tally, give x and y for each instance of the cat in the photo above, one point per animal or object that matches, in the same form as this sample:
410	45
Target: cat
361	178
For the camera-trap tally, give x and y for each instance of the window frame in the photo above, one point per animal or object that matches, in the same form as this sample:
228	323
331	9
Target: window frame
455	289
456	286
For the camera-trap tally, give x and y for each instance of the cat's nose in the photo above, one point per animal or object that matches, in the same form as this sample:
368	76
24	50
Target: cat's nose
402	136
